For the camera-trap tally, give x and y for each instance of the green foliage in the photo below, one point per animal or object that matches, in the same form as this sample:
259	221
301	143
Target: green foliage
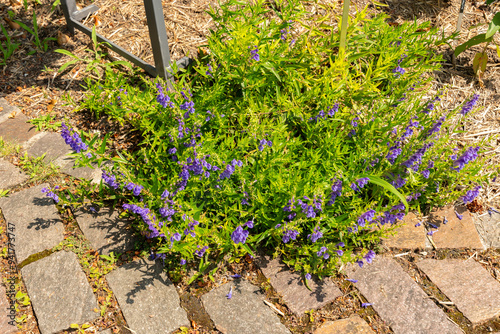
45	122
481	59
37	169
9	47
95	63
41	45
300	117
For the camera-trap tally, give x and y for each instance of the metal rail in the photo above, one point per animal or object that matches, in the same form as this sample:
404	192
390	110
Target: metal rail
157	35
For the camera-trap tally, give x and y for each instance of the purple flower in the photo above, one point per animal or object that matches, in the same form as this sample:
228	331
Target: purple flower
249	224
340	244
469	105
315	235
393	154
321	251
418	224
459	216
352	280
236	276
339	252
201	252
239	235
308	276
49	193
336	192
289	234
359	183
471	195
366	304
183	262
369	256
426	173
360	263
73	140
230	294
398	182
416	158
254	53
110	180
366	217
162	98
468	156
398	71
445	220
431	232
436	127
264	142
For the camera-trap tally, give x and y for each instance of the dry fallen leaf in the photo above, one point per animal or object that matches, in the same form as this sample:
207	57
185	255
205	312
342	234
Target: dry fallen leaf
51	105
62	38
1	108
15	3
12	24
12	115
97	21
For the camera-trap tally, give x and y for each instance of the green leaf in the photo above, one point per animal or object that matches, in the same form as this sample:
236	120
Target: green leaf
66	52
498	51
307	284
387	186
63	67
481	38
494	25
94	37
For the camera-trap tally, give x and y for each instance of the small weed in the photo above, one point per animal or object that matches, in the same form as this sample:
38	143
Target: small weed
37	169
112	258
42	45
9	48
46	122
81	329
7	148
94	63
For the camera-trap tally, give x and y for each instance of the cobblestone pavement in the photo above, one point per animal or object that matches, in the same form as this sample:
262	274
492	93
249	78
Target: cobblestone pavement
61	295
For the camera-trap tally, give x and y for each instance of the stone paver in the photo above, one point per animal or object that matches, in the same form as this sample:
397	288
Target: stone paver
488	227
291	287
105	230
59	292
399	301
7	110
36	220
352	325
10	175
408	235
455	233
7	316
244	313
86	173
467	284
147	298
52	145
17	129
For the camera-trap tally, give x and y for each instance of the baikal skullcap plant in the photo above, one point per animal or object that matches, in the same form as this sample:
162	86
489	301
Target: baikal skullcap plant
270	146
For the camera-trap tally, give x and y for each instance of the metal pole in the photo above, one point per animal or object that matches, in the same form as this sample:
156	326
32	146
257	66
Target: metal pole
69	7
158	37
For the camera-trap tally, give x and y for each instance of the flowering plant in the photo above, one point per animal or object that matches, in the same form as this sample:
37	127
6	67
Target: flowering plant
273	142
